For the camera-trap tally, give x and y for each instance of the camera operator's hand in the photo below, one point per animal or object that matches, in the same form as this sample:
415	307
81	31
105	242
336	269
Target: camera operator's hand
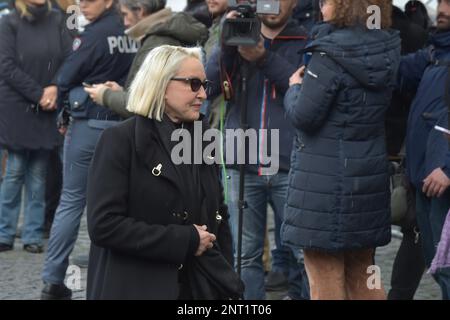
253	54
297	76
233	14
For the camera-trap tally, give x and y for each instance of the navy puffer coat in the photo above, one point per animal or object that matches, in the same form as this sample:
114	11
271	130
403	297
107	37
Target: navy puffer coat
338	196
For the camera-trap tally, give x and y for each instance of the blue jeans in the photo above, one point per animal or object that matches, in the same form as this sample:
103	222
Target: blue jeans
259	192
431	214
26	167
79	145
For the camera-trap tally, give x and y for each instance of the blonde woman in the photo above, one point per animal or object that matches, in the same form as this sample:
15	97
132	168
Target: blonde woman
158	230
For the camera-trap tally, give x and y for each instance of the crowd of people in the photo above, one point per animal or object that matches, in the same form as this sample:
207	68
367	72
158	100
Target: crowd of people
88	117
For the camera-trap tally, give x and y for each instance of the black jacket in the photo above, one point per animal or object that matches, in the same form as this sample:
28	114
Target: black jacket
31	53
136	219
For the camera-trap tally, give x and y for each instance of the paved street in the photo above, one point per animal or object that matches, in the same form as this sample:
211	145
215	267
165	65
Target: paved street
20	271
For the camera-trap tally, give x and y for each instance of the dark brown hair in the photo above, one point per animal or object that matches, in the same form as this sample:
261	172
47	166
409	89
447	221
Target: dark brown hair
349	13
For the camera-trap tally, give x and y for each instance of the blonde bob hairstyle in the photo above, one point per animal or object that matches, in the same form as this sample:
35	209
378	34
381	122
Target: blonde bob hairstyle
22	8
148	89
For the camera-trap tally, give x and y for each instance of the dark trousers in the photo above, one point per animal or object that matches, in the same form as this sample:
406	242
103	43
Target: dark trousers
409	266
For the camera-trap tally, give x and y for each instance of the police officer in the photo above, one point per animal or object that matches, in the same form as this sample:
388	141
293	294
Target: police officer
101	53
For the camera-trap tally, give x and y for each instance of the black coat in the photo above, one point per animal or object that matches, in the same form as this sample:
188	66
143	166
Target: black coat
31	53
135	219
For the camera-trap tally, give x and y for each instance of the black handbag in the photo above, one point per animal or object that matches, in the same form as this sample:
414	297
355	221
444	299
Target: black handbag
211	277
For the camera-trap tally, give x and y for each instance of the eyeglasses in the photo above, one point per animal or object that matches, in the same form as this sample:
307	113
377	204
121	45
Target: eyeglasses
195	83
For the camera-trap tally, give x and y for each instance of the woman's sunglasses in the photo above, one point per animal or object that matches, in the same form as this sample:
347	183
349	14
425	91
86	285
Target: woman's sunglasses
195	83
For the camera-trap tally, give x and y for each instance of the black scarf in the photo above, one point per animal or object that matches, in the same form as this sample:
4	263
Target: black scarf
38	12
188	174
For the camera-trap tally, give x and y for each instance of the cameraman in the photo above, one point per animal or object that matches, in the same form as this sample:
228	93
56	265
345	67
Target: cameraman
271	63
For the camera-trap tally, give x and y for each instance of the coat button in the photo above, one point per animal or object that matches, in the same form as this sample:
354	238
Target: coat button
185	215
180	266
218	217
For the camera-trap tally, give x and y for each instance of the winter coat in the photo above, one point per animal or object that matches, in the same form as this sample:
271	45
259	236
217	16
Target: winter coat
32	50
136	215
425	72
338	196
160	28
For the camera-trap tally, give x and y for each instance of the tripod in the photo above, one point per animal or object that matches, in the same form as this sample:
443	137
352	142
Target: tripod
244	71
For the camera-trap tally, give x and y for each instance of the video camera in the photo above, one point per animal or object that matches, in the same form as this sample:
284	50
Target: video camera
245	30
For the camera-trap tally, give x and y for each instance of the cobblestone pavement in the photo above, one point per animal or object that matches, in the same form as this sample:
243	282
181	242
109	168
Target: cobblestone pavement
20	271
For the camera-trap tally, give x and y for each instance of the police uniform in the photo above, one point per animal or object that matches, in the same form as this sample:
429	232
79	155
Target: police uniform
101	53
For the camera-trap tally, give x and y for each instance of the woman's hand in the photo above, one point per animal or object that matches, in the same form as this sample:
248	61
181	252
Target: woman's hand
206	240
297	76
48	99
114	86
96	92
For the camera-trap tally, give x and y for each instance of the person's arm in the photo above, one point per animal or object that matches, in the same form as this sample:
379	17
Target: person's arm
10	71
117	102
278	69
411	69
66	40
307	105
79	64
107	209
